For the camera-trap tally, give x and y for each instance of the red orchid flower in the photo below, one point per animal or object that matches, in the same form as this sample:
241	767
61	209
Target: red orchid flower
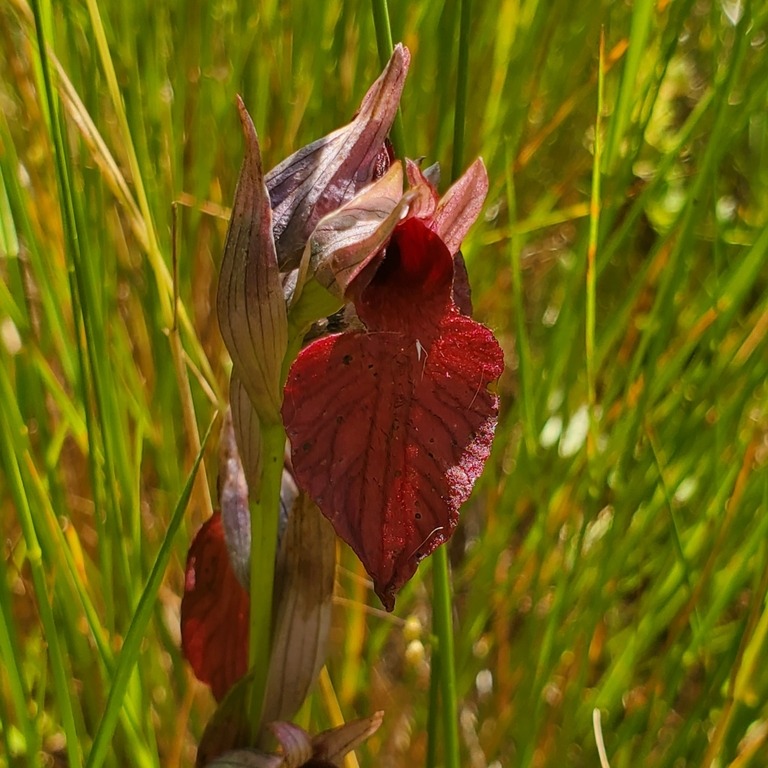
215	608
391	425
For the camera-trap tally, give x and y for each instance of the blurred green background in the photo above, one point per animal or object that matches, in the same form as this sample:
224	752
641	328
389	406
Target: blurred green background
613	556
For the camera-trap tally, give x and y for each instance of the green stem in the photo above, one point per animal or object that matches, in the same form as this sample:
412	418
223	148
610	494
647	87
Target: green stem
523	347
385	45
442	608
264	530
442	618
433	725
443	671
462	77
594	228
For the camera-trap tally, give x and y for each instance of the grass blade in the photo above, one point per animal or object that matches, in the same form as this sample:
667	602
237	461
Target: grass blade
129	654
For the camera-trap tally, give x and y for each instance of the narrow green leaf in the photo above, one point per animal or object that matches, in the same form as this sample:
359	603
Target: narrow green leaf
129	654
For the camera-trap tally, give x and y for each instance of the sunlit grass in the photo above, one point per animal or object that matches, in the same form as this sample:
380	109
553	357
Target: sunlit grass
630	576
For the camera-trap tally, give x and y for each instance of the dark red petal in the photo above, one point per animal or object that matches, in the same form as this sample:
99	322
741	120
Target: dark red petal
411	290
214	612
462	292
389	434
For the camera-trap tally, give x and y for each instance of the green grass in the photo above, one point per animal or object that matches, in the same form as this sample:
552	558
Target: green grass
626	571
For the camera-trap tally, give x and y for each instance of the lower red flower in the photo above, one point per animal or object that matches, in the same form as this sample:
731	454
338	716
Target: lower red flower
214	612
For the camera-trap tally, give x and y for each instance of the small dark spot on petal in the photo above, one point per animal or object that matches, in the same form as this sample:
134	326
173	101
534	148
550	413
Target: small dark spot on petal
306	447
339	419
347	359
418	515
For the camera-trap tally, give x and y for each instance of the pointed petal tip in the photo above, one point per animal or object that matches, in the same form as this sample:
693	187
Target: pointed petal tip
479	165
391	80
482	172
477	173
334	744
387	595
402	53
249	129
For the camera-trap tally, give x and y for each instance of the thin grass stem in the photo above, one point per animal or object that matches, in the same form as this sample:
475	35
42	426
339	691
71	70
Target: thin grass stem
11	654
13	473
441	579
523	347
385	44
433	711
462	81
443	627
594	228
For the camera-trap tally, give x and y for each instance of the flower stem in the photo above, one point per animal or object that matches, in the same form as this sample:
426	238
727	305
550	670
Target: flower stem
385	45
442	608
264	528
443	671
433	725
442	618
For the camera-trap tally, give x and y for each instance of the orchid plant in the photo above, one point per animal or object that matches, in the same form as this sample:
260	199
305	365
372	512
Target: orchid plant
389	420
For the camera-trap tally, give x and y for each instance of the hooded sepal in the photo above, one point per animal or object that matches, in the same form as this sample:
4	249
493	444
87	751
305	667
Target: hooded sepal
351	239
347	246
330	171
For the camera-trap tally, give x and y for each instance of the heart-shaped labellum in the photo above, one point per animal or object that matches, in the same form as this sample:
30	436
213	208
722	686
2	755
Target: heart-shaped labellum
391	427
